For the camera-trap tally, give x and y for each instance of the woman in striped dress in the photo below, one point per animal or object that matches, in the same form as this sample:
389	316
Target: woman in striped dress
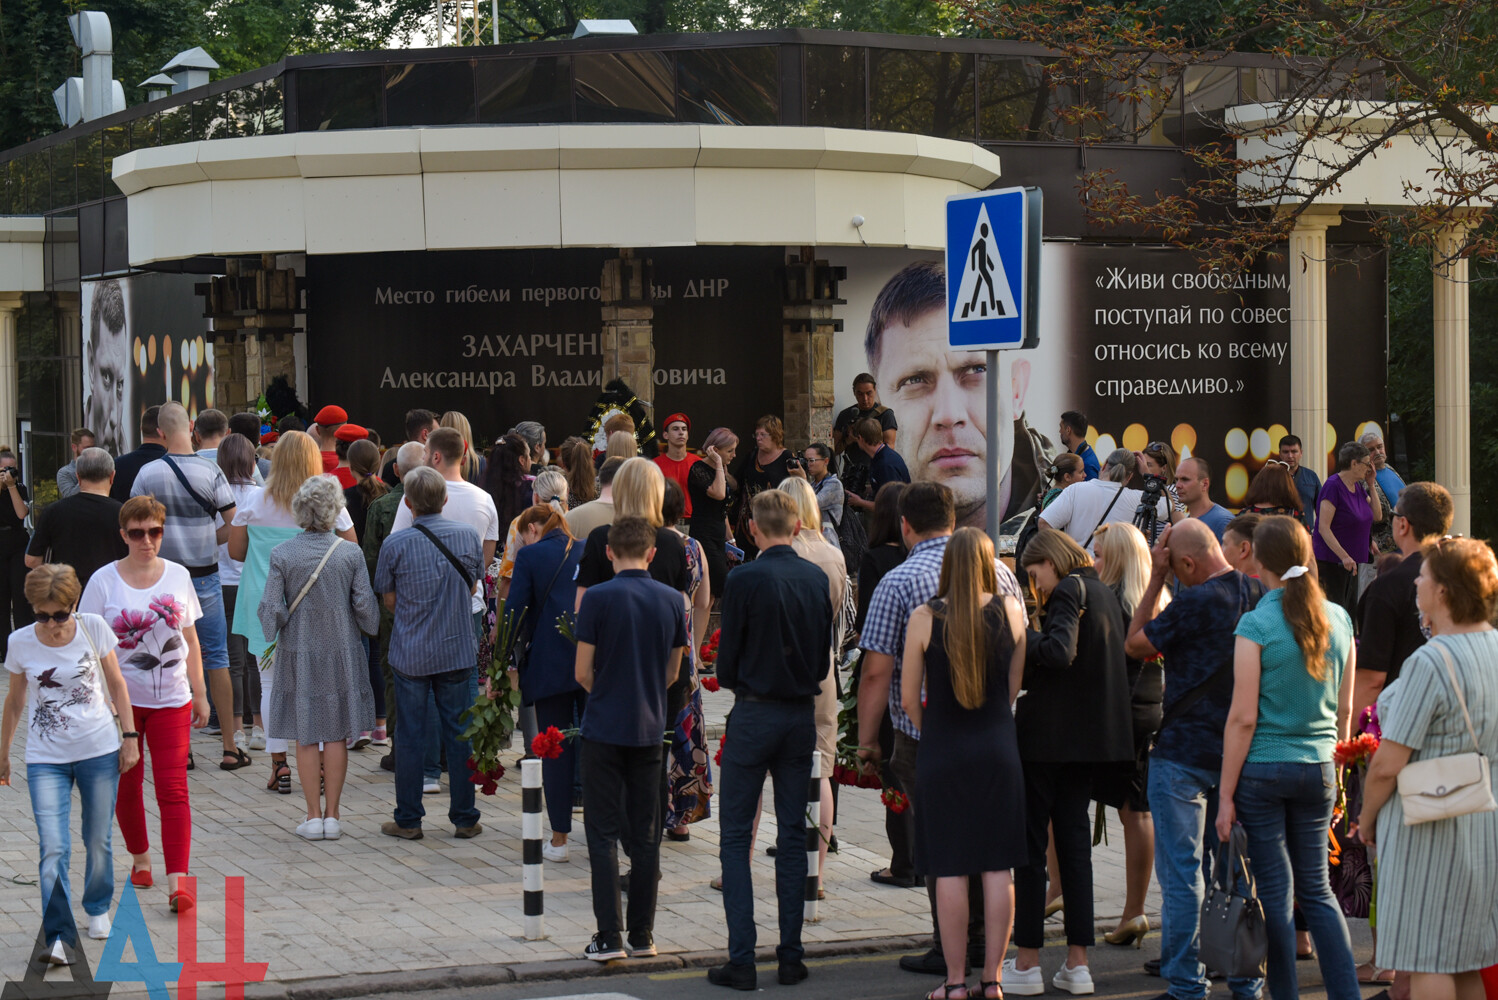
1438	881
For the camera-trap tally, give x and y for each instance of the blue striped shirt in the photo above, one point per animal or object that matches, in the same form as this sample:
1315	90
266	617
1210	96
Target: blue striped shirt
433	631
903	589
191	535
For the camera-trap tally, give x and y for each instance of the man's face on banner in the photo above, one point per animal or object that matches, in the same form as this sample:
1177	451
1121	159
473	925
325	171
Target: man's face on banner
108	372
938	396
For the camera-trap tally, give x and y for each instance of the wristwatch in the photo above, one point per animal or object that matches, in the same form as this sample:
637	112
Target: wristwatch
130	736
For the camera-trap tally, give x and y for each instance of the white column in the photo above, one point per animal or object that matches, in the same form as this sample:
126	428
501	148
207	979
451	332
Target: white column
1308	334
10	307
1453	376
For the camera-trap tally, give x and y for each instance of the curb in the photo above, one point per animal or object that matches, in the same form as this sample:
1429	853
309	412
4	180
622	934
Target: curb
460	977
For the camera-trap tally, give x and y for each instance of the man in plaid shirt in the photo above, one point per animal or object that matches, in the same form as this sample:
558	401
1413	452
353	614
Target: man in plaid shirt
927	518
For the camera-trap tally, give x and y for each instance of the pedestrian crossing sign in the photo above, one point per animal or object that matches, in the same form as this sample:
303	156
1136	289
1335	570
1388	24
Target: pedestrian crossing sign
993	269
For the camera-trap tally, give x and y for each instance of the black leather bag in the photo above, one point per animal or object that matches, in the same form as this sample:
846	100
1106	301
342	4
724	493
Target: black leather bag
1234	939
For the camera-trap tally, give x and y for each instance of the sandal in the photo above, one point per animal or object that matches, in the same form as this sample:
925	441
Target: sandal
944	992
233	760
280	777
983	989
1375	976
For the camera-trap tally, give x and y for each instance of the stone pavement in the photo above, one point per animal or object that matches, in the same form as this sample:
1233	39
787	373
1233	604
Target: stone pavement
370	904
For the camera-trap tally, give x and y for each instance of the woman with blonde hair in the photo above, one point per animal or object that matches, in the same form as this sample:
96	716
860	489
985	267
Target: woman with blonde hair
1074	717
812	545
622	444
963	664
1293	671
257	529
1123	564
470	463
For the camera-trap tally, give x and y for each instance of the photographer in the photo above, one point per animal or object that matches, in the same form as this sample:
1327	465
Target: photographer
1084	507
14	537
815	466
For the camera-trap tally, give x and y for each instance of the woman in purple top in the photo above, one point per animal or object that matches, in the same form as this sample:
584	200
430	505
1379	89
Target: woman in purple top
1345	512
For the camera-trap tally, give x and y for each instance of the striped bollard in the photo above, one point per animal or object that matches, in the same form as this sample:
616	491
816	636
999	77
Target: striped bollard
531	866
813	837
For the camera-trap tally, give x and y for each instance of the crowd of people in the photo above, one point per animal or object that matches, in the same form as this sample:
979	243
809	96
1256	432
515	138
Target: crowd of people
309	593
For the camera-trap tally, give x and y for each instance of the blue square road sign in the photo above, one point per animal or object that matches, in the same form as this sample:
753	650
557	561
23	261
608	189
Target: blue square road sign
993	269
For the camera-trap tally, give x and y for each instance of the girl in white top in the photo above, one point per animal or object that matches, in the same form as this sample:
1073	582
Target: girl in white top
60	666
150	604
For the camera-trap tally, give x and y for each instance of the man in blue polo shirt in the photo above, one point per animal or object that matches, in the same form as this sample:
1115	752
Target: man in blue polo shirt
1074	437
885	464
631	632
1307	483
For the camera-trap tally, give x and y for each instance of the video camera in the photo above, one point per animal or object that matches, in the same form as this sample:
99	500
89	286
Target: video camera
1147	514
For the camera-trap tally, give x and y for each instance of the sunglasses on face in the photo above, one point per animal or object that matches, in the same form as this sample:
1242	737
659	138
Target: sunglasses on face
43	618
141	534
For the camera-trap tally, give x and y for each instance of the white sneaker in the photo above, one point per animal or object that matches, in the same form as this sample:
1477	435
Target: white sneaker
311	829
358	742
331	829
257	738
59	954
1077	980
559	855
240	741
1030	983
431	786
98	927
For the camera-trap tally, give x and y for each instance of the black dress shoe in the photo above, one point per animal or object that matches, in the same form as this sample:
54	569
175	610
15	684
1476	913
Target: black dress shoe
1152	967
792	973
931	963
739	977
387	762
908	882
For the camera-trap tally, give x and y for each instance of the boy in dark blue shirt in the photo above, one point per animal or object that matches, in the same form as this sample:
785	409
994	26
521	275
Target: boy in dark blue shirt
631	633
885	464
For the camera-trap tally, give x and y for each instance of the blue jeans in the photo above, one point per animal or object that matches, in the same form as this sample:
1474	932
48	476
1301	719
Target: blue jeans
51	787
213	628
1182	802
1286	809
777	739
452	693
432	766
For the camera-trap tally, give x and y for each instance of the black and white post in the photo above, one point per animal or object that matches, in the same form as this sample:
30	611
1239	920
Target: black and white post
531	865
813	837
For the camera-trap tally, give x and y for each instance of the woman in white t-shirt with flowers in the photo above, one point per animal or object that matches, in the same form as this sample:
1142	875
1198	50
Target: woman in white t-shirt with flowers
150	604
60	666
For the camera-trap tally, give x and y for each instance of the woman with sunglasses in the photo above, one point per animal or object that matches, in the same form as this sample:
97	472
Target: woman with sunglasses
150	604
71	738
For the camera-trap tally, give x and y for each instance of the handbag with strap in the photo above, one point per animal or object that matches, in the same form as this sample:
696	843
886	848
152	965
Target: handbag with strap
1234	937
268	658
1450	786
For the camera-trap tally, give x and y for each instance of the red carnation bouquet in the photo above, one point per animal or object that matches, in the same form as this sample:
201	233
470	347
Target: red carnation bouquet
709	651
548	744
709	684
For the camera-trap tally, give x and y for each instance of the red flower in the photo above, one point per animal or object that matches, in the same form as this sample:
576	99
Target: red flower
869	781
548	745
718	757
894	800
709	683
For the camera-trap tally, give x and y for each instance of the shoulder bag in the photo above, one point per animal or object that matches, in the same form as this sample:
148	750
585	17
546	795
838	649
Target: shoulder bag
1106	511
522	653
1234	938
462	571
208	508
268	658
1450	786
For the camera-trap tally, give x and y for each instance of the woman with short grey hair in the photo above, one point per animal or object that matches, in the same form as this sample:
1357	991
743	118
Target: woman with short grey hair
317	601
1346	510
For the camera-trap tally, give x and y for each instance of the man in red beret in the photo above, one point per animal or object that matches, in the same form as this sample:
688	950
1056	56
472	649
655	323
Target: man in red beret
676	461
324	429
343	437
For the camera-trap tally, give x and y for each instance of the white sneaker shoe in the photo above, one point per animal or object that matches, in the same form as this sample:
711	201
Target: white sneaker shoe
1077	981
1029	983
241	742
311	829
257	738
59	954
331	829
98	927
559	855
431	786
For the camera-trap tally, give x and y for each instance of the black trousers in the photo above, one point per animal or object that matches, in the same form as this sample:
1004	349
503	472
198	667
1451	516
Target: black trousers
13	601
902	766
621	795
899	828
1056	795
1341	587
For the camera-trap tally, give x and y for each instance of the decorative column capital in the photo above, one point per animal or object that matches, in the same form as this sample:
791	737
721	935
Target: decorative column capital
11	301
1316	219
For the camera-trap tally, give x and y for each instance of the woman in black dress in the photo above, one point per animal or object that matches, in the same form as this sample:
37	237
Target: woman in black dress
759	470
967	649
710	488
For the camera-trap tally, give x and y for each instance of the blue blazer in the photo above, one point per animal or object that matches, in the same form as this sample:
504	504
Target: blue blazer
550	668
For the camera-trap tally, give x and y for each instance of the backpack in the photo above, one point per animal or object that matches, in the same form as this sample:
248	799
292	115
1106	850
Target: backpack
853	539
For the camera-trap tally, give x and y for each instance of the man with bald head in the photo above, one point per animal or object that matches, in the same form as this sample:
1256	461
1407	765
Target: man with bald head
1195	633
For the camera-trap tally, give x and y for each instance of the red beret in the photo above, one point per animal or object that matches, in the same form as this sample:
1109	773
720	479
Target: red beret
675	417
351	432
270	438
330	415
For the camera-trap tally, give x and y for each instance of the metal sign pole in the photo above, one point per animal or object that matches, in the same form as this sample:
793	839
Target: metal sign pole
992	450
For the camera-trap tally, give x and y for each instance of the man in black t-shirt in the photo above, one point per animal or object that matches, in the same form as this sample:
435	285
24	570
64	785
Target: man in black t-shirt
1390	619
82	530
855	465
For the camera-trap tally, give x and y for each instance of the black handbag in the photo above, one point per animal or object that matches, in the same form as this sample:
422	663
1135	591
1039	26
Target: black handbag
1234	939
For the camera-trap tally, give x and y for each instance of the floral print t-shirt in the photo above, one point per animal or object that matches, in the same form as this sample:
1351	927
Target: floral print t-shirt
148	624
68	710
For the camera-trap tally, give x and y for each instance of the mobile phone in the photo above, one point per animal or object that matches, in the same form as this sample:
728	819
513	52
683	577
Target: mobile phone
734	552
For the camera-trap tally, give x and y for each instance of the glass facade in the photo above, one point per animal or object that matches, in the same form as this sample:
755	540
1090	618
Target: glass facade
49	382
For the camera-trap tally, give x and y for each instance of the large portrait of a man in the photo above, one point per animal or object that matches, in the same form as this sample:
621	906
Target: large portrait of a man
106	366
939	396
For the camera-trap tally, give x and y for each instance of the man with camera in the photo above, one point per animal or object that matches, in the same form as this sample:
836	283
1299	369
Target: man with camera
1084	507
